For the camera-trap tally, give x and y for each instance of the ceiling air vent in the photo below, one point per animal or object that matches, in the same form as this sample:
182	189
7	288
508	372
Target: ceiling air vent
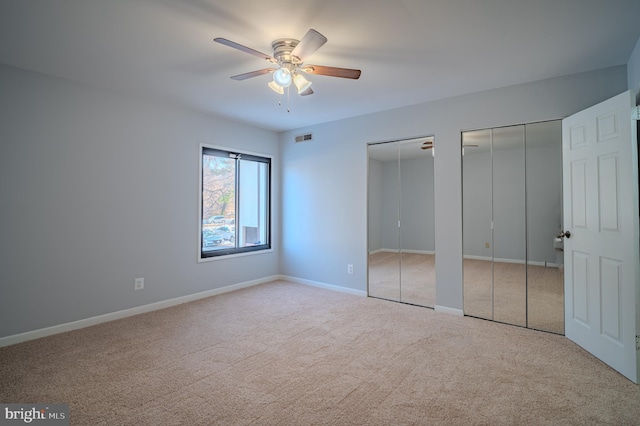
304	138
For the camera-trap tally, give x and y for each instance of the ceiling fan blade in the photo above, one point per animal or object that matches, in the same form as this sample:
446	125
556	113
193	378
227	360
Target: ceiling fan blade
245	49
332	71
247	75
311	42
307	92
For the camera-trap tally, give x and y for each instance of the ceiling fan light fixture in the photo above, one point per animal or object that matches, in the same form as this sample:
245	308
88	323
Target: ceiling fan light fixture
278	89
301	83
282	77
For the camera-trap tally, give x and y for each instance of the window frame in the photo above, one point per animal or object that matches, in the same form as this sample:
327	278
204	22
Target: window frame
205	256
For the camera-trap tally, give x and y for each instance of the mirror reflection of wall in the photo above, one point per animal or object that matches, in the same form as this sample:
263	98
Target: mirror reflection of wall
401	221
384	237
545	273
512	193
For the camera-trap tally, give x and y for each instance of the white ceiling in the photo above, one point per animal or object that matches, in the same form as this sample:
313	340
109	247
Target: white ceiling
409	51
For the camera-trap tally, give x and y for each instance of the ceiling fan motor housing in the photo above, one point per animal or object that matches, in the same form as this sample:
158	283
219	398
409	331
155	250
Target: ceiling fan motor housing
282	49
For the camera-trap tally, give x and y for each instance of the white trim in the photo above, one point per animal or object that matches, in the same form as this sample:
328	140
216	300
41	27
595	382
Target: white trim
230	256
386	250
87	322
521	262
325	285
418	251
547	265
447	310
474	257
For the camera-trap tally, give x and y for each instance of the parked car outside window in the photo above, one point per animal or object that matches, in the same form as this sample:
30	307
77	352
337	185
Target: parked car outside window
225	232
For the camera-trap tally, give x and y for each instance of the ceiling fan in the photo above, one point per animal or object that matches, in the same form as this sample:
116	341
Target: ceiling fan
288	62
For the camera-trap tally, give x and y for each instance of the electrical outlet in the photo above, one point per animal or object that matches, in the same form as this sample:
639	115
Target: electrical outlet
486	245
349	269
138	284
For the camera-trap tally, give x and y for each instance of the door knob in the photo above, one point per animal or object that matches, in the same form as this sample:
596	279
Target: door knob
564	234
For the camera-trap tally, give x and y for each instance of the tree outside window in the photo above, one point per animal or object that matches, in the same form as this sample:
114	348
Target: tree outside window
235	200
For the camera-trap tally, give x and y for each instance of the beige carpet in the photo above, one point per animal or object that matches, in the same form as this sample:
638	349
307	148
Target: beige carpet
410	278
406	277
540	306
288	354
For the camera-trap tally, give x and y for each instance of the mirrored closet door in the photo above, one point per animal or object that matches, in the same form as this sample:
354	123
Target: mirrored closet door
383	217
512	212
401	231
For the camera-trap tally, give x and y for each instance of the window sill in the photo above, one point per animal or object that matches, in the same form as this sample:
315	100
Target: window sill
230	256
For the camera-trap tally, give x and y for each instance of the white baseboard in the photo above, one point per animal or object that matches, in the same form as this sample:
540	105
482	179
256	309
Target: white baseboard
447	310
418	251
324	285
517	261
87	322
386	250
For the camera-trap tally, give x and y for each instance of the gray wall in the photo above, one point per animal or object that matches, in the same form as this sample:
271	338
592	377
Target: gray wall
98	189
390	205
508	204
543	205
327	177
633	71
633	82
376	204
544	199
477	197
417	224
415	204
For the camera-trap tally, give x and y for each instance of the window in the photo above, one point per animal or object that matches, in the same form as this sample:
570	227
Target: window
235	202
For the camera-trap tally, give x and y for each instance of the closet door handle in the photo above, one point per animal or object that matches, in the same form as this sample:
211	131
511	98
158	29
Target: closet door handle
564	234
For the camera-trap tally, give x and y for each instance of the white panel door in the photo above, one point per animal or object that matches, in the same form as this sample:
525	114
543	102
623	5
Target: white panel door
600	190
